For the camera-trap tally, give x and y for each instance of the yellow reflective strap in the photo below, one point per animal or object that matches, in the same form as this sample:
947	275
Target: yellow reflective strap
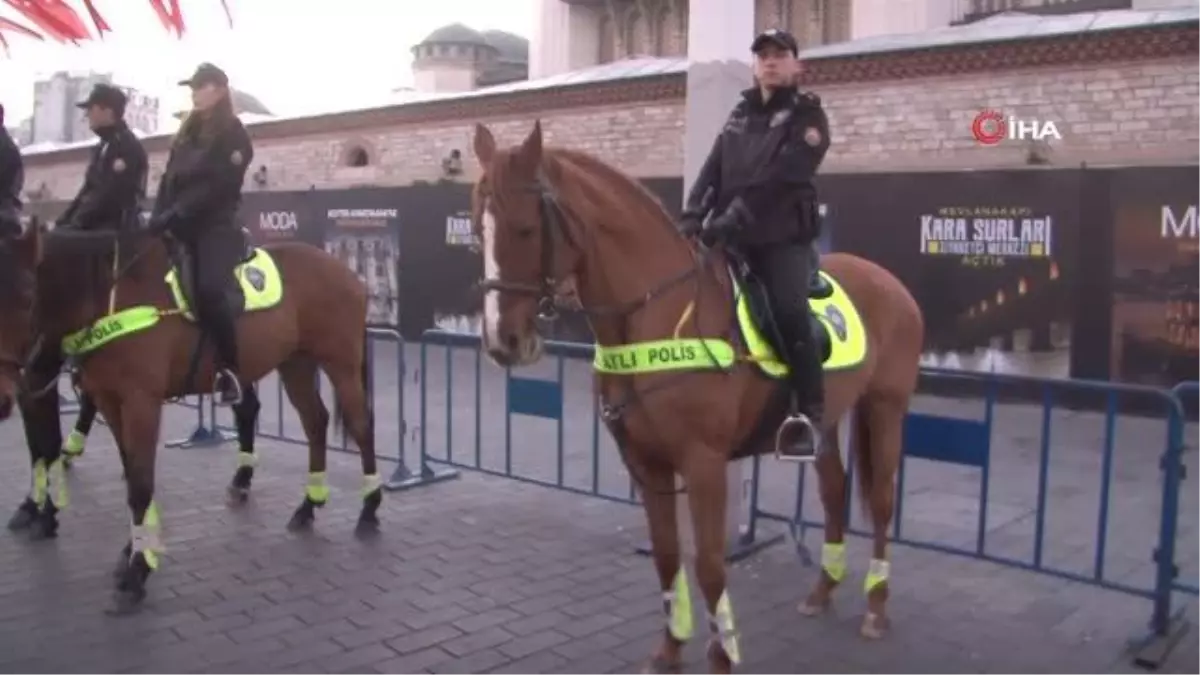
316	490
247	459
877	574
833	560
58	476
151	558
41	482
680	621
152	519
723	624
371	484
659	355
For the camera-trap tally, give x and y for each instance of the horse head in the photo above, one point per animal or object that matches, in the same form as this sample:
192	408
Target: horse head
509	205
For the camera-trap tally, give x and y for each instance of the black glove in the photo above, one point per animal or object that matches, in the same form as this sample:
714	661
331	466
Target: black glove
690	224
160	222
719	228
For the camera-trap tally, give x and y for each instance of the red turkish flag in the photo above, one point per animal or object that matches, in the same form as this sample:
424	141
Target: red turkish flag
98	21
54	17
17	28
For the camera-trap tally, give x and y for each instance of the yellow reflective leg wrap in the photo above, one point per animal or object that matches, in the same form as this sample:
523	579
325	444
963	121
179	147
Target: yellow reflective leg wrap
76	442
317	491
877	574
145	539
678	604
247	459
722	624
41	483
371	484
57	476
833	561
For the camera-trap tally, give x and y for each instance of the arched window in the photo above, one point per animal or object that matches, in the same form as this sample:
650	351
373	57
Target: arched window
356	156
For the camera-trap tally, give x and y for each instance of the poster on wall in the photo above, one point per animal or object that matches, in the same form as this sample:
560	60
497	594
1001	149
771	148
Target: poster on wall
281	216
1156	265
987	256
366	238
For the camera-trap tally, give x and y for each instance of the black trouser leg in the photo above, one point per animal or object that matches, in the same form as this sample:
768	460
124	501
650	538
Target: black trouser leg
215	256
786	271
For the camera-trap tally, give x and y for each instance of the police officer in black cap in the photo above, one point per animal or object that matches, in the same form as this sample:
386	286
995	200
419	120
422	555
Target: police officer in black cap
109	199
12	181
762	201
197	203
115	180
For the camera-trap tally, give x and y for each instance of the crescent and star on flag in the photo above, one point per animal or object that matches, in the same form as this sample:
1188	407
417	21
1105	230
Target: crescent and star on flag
57	20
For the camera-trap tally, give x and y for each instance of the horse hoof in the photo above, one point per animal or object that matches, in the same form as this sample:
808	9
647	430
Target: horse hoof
874	626
661	665
126	602
814	607
366	529
43	527
21	521
300	522
237	496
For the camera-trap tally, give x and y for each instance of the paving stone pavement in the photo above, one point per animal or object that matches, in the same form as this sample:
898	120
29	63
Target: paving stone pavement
478	575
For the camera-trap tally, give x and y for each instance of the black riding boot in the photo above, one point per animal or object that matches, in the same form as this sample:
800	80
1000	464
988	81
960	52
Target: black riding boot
223	330
799	436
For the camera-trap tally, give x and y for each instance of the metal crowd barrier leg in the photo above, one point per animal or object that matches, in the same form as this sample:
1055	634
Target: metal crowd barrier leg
404	478
203	436
1167	628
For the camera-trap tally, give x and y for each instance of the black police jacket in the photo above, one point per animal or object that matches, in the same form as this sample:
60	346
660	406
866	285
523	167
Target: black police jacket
201	187
113	185
762	164
12	181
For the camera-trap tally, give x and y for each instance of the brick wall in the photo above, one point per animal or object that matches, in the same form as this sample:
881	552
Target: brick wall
1132	112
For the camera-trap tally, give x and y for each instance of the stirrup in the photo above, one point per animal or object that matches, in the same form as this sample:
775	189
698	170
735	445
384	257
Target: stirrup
786	437
222	395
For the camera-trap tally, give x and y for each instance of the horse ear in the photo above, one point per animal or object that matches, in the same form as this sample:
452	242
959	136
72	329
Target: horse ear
485	145
531	149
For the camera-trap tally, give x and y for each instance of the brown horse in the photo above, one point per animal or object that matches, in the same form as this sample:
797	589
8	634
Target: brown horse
136	346
544	215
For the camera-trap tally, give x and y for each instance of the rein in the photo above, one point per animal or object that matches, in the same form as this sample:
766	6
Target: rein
553	229
118	272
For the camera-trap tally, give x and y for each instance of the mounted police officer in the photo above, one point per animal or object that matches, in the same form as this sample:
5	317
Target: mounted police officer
12	181
109	199
760	171
197	204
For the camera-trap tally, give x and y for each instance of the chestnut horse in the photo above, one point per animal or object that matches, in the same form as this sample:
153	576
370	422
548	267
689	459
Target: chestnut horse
129	329
545	215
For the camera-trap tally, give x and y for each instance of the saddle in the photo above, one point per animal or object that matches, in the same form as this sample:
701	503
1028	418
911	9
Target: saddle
759	302
184	264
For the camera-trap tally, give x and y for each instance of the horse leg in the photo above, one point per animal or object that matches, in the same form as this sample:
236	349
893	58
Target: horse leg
112	414
27	511
878	461
43	437
245	416
706	490
349	389
76	441
658	498
299	377
140	419
831	481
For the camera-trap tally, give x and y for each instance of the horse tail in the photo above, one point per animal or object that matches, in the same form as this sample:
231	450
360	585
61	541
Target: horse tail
862	448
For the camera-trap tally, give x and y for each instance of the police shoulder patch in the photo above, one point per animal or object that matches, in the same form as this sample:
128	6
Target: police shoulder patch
812	136
807	98
118	165
237	158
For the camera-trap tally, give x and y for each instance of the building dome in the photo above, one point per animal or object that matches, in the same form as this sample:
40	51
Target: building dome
511	48
455	33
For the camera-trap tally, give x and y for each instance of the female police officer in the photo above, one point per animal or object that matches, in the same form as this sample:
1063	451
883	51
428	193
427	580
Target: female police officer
197	203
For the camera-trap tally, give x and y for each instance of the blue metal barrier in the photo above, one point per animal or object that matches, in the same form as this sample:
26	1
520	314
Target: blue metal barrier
968	442
541	414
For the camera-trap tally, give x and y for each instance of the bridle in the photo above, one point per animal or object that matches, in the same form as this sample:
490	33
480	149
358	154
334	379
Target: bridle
555	232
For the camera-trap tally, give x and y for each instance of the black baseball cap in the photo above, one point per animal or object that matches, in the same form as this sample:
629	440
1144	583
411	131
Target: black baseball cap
779	38
107	96
206	73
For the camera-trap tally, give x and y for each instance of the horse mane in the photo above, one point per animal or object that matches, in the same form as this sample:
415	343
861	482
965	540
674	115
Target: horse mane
76	267
588	166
